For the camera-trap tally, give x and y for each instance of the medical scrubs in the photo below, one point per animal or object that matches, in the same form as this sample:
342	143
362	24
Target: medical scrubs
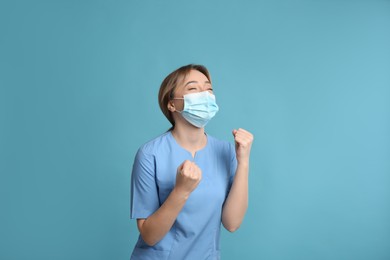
195	233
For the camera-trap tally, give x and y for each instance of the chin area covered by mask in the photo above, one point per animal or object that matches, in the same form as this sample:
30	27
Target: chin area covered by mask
199	108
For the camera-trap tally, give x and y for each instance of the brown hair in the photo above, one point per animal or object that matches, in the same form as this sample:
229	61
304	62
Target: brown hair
169	84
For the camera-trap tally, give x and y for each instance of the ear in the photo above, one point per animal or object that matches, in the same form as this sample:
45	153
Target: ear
171	106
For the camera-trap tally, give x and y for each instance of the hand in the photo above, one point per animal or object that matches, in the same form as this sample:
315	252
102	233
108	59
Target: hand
188	177
243	140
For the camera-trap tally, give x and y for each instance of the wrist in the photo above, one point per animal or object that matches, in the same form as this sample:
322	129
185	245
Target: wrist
243	162
180	194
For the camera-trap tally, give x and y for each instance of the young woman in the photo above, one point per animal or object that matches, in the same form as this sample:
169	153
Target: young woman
185	183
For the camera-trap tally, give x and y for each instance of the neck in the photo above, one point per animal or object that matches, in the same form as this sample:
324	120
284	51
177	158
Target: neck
189	137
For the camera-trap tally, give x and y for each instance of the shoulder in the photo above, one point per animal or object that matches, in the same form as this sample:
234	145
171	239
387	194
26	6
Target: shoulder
220	145
153	146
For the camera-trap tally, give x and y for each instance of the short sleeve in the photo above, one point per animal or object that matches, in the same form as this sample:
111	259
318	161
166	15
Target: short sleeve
144	193
233	164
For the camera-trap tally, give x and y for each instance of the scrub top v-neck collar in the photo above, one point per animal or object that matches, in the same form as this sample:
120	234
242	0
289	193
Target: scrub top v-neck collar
196	155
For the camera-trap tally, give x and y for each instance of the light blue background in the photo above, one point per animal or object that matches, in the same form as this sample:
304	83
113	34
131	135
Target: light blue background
310	79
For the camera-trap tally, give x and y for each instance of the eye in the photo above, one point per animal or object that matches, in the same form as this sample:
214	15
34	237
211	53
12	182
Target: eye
192	88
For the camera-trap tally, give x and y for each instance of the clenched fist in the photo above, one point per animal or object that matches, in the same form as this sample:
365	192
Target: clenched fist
188	177
243	140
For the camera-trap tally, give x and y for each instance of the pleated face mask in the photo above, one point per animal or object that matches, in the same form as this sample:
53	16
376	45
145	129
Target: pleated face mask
199	108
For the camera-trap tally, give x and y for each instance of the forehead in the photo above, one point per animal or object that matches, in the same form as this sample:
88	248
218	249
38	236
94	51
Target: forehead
195	75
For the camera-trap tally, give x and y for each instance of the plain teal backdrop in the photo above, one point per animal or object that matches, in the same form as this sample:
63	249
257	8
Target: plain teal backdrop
78	96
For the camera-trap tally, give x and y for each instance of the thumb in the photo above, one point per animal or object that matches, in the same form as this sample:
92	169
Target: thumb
181	166
234	132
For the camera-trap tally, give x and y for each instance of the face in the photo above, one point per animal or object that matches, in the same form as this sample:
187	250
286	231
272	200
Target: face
193	83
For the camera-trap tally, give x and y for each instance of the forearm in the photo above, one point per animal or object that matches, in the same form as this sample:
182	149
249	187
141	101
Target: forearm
157	225
236	203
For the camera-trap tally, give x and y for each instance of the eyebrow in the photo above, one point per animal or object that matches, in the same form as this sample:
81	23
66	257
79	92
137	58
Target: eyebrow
190	82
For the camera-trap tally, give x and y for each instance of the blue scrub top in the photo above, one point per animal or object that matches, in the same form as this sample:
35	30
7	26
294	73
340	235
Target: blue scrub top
196	231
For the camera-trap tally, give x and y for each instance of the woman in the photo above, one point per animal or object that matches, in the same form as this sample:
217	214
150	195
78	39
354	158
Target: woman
185	183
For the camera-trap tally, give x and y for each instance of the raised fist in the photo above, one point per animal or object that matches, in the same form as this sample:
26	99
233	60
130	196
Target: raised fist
188	177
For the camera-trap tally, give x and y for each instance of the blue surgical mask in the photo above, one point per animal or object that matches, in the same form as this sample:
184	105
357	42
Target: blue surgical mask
199	108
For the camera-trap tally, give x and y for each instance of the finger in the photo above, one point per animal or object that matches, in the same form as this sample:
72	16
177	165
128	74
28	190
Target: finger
241	136
241	132
197	174
192	169
187	163
244	133
196	171
244	140
186	166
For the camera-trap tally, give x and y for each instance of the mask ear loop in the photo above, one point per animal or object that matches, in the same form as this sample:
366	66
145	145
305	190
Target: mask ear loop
173	98
175	108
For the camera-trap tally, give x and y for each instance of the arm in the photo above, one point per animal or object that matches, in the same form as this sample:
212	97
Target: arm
157	225
236	203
